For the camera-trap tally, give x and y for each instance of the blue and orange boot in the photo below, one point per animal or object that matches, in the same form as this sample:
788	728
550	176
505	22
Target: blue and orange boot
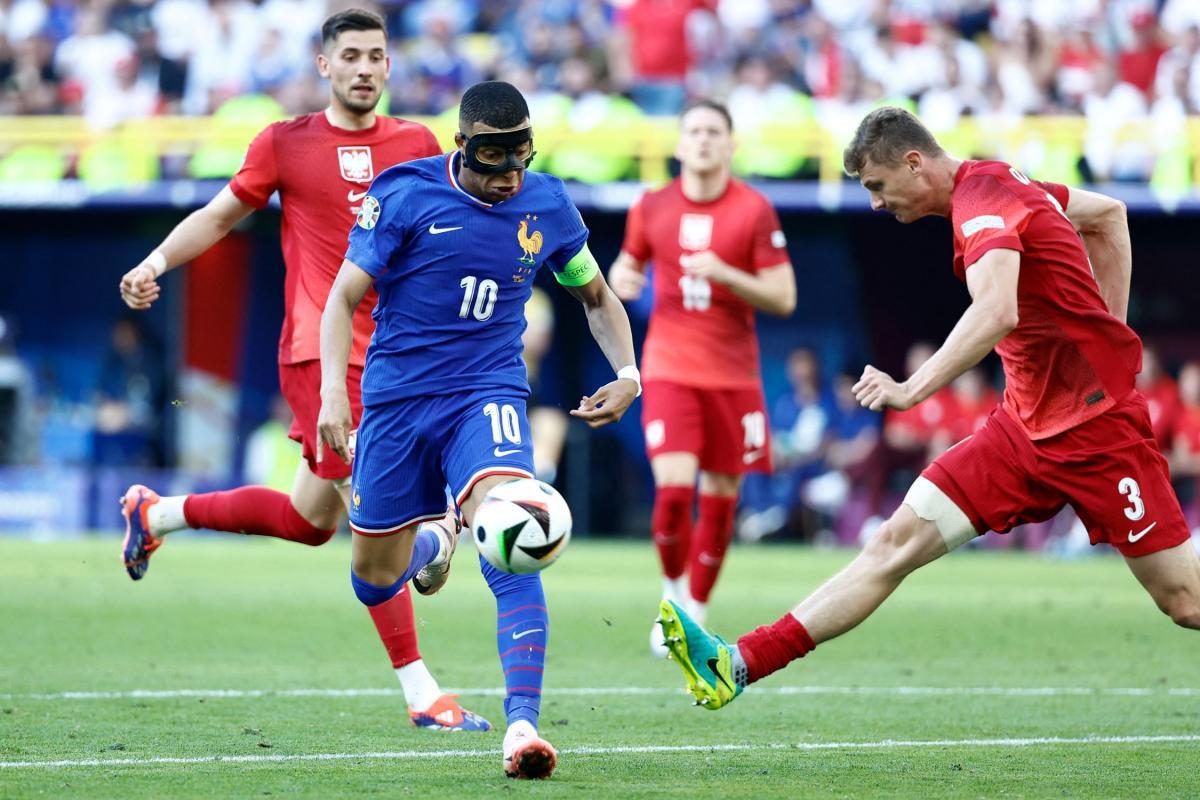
447	715
139	542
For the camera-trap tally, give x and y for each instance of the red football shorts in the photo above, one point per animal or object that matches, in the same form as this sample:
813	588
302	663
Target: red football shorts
725	428
301	387
1108	470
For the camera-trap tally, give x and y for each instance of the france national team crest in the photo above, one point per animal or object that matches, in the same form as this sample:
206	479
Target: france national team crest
355	163
368	213
695	231
531	245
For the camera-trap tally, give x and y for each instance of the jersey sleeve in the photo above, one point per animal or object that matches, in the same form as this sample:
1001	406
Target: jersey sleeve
988	216
258	177
570	231
635	242
1060	193
378	230
770	245
430	146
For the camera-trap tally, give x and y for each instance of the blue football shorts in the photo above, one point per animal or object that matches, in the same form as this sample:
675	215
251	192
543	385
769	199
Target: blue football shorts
408	451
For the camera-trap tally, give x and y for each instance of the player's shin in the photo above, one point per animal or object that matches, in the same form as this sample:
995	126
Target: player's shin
710	541
522	629
253	510
671	525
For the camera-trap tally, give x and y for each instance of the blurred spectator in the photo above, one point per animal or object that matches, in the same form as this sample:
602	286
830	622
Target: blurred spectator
911	439
437	62
658	51
95	61
974	401
1162	397
1110	109
129	400
1137	64
801	427
226	45
1185	450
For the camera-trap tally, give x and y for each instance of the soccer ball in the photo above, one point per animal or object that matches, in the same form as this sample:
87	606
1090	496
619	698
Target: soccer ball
522	526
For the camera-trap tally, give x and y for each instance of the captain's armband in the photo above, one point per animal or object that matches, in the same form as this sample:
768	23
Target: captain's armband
580	270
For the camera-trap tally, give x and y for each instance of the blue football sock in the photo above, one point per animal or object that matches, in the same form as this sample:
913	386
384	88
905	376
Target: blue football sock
522	628
425	548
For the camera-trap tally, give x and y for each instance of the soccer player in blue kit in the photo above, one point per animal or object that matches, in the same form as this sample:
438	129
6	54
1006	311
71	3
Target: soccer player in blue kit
451	244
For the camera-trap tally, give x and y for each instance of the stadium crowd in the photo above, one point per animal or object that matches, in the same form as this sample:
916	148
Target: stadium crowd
1110	61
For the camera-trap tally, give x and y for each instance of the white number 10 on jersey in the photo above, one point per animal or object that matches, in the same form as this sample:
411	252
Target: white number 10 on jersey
483	293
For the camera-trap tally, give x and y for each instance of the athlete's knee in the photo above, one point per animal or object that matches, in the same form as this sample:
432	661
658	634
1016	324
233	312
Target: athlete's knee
1183	607
373	588
301	530
372	571
900	545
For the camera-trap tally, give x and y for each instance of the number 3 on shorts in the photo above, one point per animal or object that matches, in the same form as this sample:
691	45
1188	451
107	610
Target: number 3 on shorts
1137	509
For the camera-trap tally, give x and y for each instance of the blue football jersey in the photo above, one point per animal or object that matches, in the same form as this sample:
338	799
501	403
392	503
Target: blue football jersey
453	274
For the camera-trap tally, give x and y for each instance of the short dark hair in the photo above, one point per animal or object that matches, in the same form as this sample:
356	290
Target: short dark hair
352	19
711	105
494	103
884	136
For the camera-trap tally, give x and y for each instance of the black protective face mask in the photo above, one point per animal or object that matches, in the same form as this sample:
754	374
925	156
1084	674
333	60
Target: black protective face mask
508	142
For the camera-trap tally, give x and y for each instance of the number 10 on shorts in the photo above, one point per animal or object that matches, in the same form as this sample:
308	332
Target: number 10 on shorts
506	426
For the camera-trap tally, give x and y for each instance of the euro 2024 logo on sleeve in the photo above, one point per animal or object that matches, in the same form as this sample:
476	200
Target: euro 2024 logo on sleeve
368	213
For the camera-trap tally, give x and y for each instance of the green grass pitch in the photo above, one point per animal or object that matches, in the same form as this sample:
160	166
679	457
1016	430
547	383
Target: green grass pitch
888	711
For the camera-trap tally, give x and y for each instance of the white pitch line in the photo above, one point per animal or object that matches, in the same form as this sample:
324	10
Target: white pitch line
883	744
900	691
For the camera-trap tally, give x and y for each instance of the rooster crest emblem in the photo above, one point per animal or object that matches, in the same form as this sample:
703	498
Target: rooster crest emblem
531	243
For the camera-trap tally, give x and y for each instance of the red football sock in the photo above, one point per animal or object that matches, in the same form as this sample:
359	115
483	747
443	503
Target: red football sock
397	628
255	510
772	647
671	525
714	529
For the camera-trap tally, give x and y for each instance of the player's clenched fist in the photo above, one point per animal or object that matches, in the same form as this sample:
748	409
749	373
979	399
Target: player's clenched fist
877	390
608	404
627	282
334	424
139	287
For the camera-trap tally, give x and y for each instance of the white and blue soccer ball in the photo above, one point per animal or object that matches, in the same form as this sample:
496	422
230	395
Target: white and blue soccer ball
522	526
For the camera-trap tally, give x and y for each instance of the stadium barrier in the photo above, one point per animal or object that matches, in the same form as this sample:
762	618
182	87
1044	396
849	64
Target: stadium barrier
40	149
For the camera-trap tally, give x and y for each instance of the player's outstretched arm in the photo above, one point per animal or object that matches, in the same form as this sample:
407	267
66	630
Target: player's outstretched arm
1104	226
992	282
199	231
627	277
610	328
334	421
771	289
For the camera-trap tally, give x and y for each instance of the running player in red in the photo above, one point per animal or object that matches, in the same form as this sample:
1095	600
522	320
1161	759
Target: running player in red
719	255
1070	430
322	165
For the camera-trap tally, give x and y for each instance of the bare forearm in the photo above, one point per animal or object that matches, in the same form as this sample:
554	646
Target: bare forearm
1111	254
199	231
977	332
610	328
771	297
336	326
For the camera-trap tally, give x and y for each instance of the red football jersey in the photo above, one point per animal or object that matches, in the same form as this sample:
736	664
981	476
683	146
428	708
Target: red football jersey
1068	360
322	173
702	334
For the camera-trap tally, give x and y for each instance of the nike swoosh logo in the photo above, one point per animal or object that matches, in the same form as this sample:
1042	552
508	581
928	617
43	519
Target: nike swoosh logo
526	633
752	456
712	664
708	561
435	230
1133	537
354	197
501	453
